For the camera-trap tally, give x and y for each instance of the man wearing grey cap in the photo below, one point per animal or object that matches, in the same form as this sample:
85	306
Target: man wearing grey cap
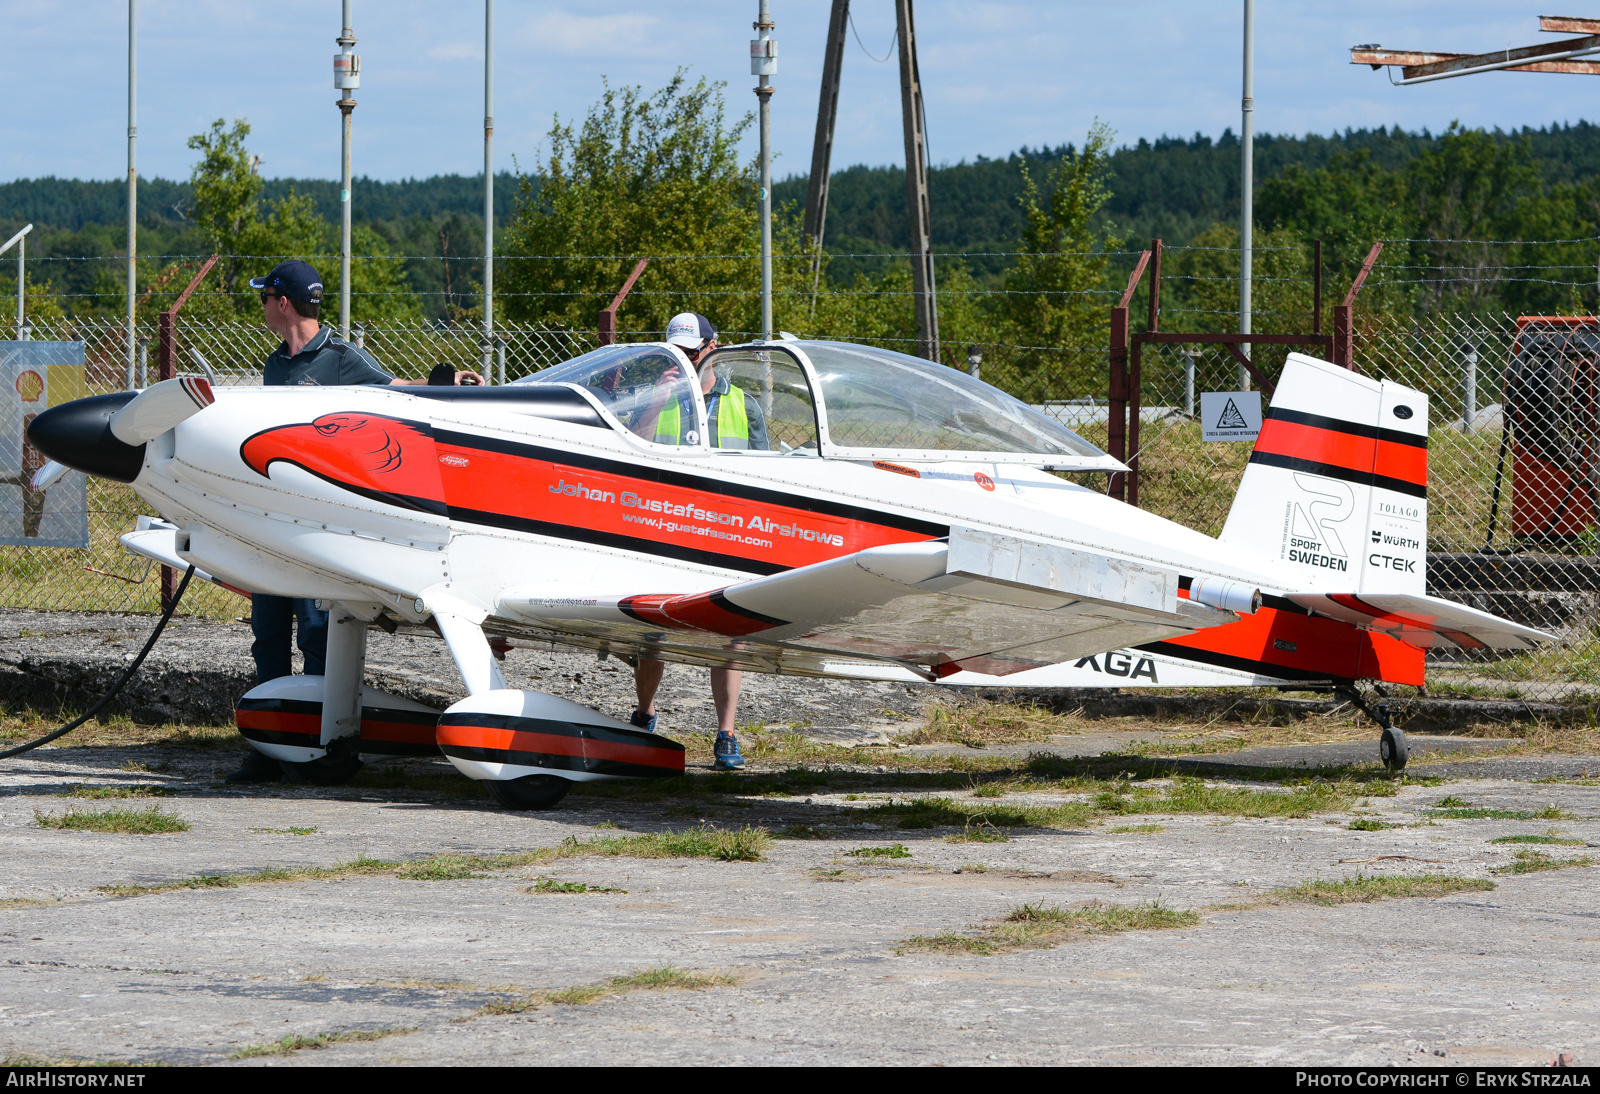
311	353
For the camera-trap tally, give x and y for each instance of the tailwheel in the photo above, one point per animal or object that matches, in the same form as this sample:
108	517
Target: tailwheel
528	792
328	770
1393	749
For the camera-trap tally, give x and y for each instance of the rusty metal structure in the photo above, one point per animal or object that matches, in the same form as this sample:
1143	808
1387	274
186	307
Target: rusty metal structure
1126	353
1424	66
608	315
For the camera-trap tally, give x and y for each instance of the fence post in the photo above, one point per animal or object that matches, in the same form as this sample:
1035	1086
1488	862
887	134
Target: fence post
1344	332
1117	386
1117	421
608	314
167	369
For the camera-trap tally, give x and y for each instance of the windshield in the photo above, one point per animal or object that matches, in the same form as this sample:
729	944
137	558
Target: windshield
647	388
879	399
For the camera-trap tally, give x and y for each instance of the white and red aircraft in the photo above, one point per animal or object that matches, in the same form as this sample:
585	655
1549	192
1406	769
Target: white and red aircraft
889	519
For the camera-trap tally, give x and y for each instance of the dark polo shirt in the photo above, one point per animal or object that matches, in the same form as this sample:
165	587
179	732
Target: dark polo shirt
327	360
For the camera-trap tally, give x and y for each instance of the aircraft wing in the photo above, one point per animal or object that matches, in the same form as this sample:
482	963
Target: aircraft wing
1426	622
977	601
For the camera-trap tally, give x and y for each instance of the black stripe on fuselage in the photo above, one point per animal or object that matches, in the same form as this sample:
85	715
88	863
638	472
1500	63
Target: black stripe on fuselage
1339	425
1334	471
1228	661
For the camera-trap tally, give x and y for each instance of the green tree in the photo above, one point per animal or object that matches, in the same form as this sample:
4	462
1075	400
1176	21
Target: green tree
1051	291
655	175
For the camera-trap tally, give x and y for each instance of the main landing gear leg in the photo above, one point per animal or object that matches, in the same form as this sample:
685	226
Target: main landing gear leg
1393	749
341	704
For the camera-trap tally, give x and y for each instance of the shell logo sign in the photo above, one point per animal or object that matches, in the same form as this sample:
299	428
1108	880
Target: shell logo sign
36	375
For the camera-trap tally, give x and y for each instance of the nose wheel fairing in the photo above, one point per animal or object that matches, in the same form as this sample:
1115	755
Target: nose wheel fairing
283	719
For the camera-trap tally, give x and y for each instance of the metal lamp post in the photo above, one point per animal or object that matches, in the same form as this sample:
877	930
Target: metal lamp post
346	78
487	368
764	63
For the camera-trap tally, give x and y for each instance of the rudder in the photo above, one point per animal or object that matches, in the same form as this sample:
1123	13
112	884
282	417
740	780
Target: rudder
1336	486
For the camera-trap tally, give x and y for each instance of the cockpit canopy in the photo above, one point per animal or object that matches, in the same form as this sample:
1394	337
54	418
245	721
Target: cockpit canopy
816	398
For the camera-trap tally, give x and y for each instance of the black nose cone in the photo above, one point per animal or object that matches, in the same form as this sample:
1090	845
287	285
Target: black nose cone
78	434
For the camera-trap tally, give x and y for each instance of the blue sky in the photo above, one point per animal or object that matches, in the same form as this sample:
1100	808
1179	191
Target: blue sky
997	75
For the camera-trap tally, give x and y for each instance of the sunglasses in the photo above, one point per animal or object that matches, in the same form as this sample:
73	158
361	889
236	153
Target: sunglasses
270	296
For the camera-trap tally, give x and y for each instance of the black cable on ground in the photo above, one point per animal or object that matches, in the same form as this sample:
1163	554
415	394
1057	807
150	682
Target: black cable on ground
115	688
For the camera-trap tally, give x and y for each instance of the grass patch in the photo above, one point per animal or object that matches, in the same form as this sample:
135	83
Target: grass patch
978	835
292	1044
1549	812
551	885
1533	862
894	850
723	844
940	812
1038	926
1193	795
1136	829
1560	841
978	725
1367	824
139	790
442	868
726	845
1363	889
284	831
151	820
660	978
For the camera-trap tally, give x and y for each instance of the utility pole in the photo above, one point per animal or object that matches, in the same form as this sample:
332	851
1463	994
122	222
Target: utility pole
764	63
346	78
922	280
1247	142
488	191
822	149
133	183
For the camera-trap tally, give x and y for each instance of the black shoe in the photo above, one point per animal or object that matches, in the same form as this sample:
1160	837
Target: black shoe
257	768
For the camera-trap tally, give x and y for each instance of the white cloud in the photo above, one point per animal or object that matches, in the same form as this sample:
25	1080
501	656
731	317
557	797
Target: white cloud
593	35
456	51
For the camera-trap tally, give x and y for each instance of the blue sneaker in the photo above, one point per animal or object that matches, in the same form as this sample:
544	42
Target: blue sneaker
726	751
646	722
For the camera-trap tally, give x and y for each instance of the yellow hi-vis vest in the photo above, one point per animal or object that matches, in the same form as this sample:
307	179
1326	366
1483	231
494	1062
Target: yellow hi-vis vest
730	422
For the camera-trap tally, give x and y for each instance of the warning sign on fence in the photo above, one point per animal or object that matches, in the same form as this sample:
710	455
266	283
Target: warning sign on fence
1230	415
35	376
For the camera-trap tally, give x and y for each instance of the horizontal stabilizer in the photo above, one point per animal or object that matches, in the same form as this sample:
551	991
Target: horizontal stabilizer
1426	622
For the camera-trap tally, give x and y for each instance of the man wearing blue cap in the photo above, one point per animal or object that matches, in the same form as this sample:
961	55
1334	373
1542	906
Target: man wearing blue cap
311	353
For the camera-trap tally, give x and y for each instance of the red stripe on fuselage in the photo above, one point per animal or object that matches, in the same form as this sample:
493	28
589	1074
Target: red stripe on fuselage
1310	644
1367	455
692	611
405	463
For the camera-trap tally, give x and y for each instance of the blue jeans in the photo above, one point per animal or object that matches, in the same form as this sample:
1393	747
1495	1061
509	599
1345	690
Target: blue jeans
271	618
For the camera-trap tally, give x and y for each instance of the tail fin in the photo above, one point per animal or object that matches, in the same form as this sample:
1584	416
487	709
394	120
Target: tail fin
1338	483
